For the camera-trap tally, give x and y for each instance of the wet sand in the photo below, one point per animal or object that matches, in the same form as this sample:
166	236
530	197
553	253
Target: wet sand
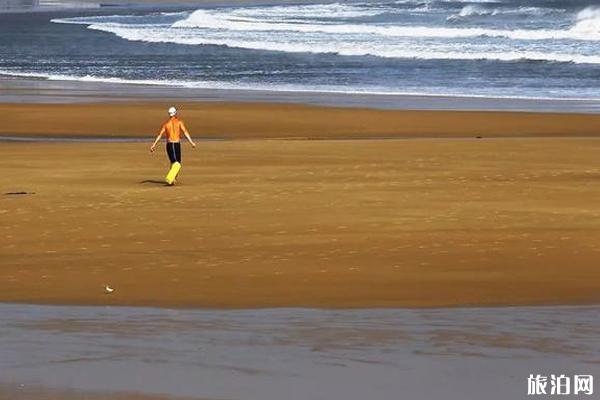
268	223
36	392
452	354
263	120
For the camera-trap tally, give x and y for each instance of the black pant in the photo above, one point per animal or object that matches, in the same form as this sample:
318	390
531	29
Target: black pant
174	152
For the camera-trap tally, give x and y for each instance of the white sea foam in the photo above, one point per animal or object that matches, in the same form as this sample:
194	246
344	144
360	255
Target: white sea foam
272	29
205	19
477	10
88	78
430	52
588	22
333	10
219	85
347	48
471	9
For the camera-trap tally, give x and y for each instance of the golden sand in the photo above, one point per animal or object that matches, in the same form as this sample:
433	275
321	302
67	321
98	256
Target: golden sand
255	120
263	223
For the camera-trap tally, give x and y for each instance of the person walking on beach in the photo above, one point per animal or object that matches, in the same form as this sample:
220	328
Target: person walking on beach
173	128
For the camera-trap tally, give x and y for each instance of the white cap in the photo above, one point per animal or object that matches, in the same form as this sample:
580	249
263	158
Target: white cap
172	111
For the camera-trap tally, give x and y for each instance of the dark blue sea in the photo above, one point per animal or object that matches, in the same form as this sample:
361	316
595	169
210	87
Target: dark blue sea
504	48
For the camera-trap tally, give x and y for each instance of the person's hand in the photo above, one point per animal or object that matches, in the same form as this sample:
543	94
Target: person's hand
193	145
152	148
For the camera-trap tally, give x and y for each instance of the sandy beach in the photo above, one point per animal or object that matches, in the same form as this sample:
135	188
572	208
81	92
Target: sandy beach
444	221
387	200
236	120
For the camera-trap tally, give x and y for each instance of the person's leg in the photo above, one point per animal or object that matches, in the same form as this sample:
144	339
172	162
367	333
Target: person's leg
171	152
177	155
178	152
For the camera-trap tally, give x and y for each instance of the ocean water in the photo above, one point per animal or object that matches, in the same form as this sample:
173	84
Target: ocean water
497	48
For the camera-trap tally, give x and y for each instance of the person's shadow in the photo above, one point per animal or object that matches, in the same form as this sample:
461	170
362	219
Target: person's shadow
154	182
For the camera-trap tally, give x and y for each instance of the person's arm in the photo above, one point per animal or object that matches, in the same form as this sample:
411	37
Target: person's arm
187	135
162	132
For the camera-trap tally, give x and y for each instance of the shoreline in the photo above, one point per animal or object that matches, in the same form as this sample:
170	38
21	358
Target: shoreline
546	307
459	307
18	90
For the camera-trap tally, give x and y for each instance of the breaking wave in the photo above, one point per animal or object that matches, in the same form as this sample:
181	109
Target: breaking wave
298	31
587	28
478	10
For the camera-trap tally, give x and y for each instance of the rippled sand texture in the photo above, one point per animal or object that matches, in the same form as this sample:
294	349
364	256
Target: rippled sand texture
293	354
303	223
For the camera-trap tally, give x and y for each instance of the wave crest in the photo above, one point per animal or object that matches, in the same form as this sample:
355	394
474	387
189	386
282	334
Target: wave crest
588	22
479	10
586	29
271	29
